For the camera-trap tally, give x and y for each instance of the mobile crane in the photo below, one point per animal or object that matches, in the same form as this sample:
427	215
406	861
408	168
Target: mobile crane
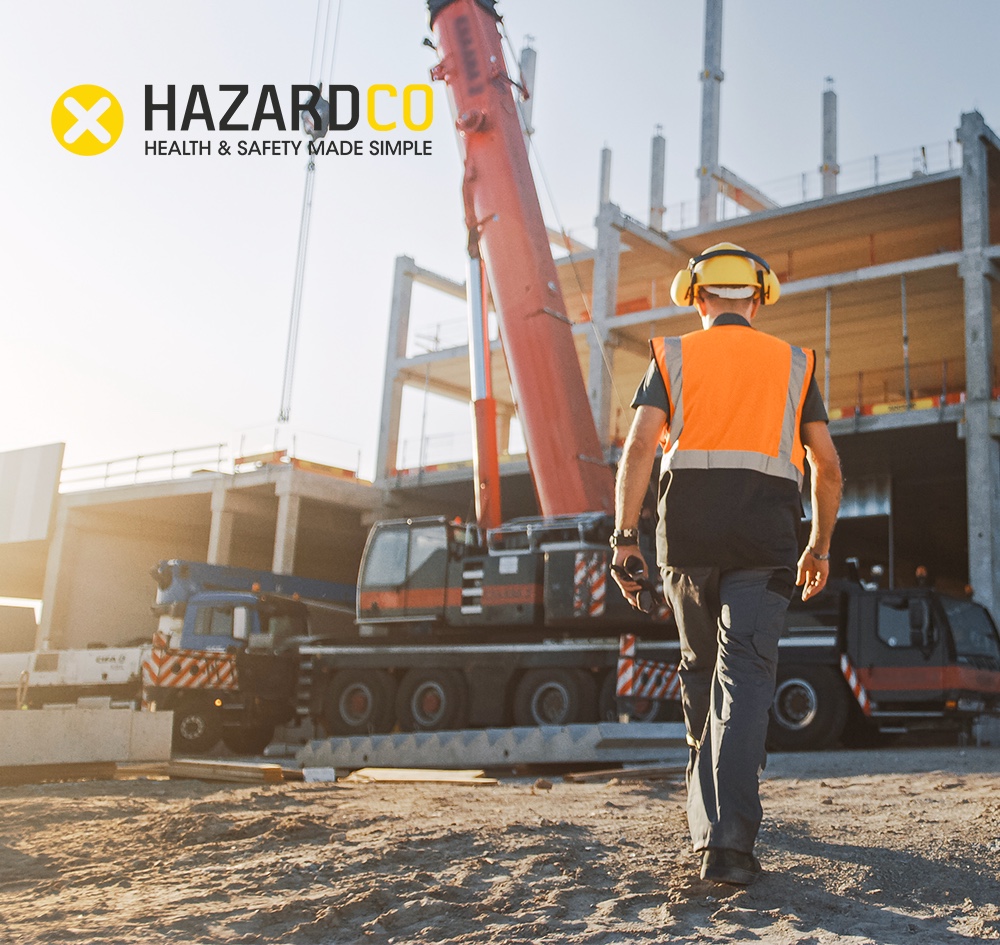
495	623
491	623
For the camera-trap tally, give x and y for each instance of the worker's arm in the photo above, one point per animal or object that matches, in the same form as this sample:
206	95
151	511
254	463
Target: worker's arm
632	483
826	484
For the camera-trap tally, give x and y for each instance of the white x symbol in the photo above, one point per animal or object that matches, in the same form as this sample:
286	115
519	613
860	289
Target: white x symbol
86	120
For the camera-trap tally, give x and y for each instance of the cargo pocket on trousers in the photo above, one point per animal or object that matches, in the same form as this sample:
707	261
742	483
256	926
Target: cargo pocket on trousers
771	616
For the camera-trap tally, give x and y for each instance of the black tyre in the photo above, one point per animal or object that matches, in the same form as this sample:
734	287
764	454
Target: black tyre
549	697
432	700
359	702
197	726
809	709
251	740
637	710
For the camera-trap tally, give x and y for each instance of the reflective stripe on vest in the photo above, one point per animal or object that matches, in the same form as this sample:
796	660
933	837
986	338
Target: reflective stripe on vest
740	393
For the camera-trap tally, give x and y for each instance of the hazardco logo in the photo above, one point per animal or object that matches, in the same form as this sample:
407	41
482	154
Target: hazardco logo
87	120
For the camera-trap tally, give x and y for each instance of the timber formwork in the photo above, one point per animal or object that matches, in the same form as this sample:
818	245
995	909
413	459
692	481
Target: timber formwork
891	285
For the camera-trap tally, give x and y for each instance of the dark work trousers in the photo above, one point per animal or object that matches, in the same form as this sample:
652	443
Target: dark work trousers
729	624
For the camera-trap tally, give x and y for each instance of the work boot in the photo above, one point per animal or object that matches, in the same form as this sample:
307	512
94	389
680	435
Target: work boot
733	867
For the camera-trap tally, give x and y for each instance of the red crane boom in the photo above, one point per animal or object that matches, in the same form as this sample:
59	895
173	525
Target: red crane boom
505	224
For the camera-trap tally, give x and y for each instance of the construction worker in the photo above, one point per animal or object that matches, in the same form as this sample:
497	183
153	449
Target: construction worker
737	412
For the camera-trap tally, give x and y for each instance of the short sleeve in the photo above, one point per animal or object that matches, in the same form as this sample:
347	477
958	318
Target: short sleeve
814	409
652	392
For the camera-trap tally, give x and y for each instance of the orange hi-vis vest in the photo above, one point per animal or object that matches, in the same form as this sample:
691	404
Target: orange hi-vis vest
736	397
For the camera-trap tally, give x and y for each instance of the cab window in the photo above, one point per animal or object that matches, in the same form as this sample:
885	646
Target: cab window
397	553
975	639
385	560
214	622
233	622
424	543
895	628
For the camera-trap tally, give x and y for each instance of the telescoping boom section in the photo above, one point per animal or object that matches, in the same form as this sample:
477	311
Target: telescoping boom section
506	226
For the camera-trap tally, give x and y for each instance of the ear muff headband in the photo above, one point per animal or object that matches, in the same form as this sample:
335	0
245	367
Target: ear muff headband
685	283
729	252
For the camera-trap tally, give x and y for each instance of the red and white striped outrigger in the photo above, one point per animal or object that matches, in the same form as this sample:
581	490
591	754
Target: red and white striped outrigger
855	684
644	679
590	584
167	668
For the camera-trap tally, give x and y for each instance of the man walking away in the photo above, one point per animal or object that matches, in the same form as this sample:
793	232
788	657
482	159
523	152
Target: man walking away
738	414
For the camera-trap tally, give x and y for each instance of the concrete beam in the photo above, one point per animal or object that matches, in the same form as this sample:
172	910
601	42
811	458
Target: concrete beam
796	209
655	239
742	192
434	280
567	242
950	413
870	273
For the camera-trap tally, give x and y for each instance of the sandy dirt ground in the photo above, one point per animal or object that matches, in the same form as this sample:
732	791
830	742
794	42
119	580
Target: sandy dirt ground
858	847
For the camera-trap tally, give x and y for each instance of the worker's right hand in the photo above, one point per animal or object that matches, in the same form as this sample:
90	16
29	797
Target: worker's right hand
628	568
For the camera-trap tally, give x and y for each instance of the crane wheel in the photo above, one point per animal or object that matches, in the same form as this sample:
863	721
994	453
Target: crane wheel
432	700
359	702
553	697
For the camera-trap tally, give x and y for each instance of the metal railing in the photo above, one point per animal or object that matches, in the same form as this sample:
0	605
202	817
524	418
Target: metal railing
214	459
853	175
147	467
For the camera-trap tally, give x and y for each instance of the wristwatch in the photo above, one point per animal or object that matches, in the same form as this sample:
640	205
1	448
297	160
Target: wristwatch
624	536
818	556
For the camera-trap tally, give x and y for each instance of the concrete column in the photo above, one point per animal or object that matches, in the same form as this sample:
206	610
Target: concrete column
711	94
504	418
392	391
220	536
657	175
830	168
604	191
982	456
528	60
602	312
286	532
50	635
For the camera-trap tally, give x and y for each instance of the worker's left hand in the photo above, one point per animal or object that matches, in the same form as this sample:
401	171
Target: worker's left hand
812	574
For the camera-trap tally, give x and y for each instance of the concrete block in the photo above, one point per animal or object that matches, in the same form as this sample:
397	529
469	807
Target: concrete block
606	742
75	735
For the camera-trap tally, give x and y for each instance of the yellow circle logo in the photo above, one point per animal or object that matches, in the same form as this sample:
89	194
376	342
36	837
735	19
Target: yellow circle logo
87	119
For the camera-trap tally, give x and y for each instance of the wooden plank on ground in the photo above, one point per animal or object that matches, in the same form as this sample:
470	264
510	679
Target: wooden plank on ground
420	776
243	772
71	771
639	773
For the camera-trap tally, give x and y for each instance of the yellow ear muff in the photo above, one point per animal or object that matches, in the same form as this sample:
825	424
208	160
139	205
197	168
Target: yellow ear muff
682	288
770	287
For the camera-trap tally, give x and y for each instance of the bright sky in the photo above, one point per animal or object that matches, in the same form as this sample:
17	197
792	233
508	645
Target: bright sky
145	300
